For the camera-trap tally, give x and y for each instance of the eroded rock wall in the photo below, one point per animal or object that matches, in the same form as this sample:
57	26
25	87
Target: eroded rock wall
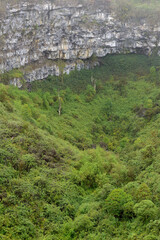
39	34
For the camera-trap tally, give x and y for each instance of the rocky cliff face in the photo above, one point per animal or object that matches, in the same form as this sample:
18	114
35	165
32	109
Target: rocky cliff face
34	36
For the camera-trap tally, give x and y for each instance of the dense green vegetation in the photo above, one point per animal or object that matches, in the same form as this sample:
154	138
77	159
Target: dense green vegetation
90	171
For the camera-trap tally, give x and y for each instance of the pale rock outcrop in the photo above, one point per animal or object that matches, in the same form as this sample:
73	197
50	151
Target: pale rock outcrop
33	34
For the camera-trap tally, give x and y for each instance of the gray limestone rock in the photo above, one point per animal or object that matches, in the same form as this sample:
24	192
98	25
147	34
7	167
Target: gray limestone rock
33	34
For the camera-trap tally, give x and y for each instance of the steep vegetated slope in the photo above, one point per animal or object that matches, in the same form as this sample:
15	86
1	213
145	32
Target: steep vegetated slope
79	155
42	37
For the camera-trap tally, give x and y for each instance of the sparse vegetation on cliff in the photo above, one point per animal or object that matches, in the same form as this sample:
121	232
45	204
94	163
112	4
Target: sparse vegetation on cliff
7	77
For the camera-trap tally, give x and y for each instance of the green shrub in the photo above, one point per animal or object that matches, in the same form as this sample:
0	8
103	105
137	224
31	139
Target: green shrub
151	237
27	162
8	106
4	96
26	112
154	227
143	192
119	203
145	210
82	223
90	93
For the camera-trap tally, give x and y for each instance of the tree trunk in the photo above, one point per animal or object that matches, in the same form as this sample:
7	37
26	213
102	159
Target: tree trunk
60	105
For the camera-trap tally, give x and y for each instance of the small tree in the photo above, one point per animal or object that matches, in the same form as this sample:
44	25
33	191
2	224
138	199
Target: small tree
60	101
